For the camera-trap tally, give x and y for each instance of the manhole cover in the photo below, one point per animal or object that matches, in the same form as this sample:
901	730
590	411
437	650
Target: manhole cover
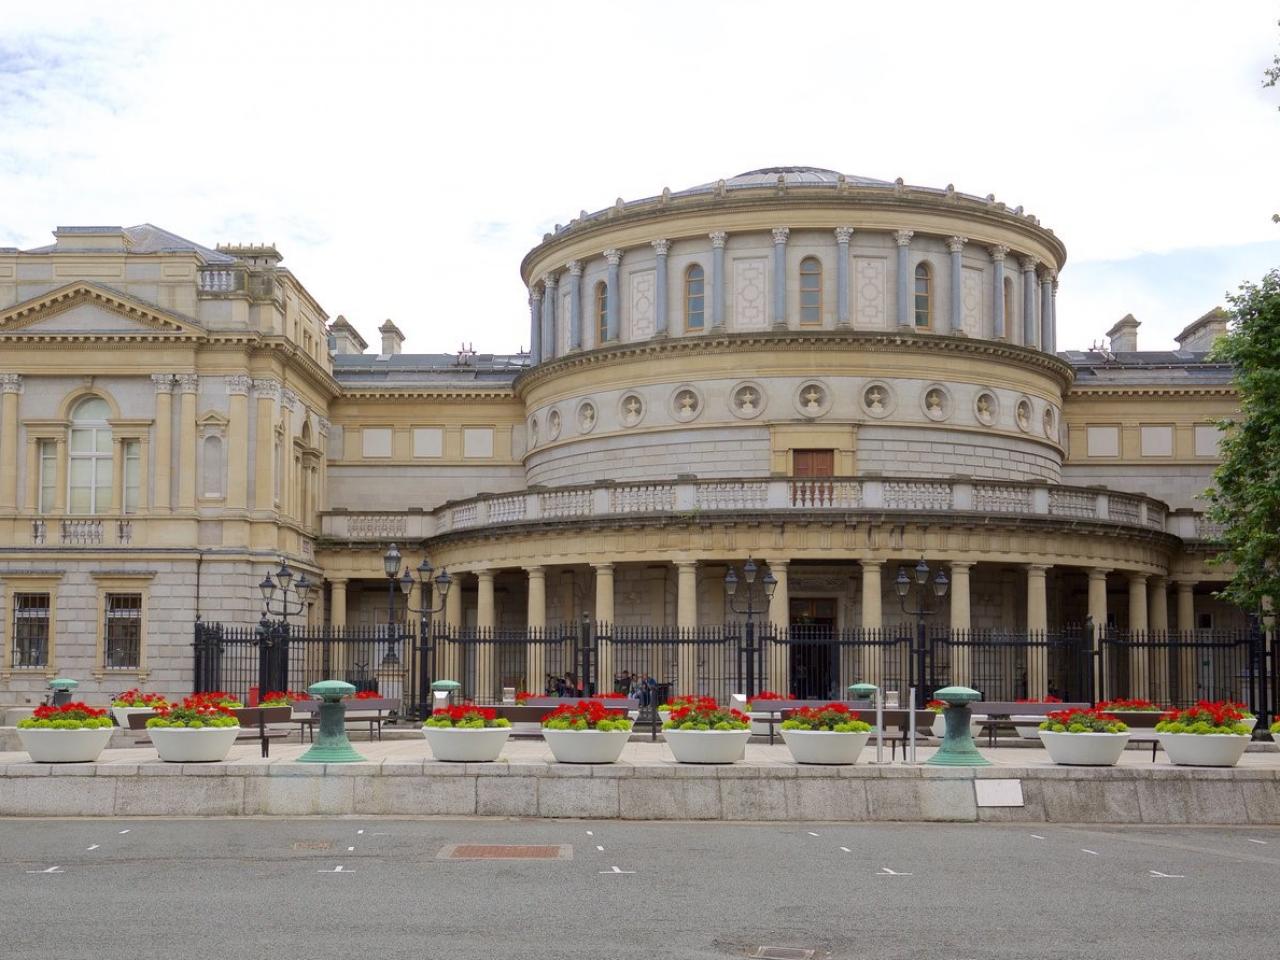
782	953
506	851
312	845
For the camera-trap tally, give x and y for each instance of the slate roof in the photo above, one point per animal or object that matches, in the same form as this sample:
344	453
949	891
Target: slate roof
427	369
1145	367
148	238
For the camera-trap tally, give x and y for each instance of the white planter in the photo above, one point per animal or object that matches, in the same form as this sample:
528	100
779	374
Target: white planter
1028	727
707	746
193	745
825	746
122	714
1250	722
1084	749
457	745
586	746
1204	749
64	746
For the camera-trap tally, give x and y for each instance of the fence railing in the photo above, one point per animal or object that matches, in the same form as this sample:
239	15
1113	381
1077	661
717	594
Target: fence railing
1178	668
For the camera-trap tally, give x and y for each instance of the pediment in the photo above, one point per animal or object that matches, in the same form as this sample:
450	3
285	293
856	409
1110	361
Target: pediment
84	309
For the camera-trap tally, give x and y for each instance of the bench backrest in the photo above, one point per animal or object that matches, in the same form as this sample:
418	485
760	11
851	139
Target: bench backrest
892	718
776	706
1011	708
382	704
248	717
613	703
1138	719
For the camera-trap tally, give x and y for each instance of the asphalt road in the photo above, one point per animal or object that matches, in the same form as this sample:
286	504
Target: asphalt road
136	890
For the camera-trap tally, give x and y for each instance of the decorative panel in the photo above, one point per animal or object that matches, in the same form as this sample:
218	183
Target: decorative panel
750	294
972	294
870	310
642	312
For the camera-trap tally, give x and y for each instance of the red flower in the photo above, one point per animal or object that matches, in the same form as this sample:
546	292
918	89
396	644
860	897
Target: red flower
69	711
368	695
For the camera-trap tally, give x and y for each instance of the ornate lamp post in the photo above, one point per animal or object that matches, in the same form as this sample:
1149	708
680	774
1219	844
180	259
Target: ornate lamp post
282	598
425	610
920	609
770	583
391	566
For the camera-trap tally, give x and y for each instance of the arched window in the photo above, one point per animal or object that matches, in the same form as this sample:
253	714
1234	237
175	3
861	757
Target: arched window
1008	307
695	300
810	291
89	470
924	296
602	313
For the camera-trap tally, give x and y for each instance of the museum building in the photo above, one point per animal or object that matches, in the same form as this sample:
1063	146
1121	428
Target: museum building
835	377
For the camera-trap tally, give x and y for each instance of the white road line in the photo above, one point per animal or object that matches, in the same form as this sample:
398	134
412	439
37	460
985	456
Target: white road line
1036	836
1092	853
50	870
600	848
615	872
892	873
379	834
590	834
349	849
94	847
1168	876
812	834
358	832
124	831
337	869
846	850
1251	840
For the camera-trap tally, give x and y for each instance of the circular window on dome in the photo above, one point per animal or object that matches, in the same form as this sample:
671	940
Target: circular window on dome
553	425
986	407
631	409
877	399
813	399
936	402
586	416
686	403
1023	413
747	400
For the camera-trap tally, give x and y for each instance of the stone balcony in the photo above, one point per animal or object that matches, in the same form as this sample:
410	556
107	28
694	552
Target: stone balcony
693	498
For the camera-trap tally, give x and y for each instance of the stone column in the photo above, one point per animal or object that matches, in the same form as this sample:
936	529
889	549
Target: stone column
613	322
237	442
998	252
1029	301
535	327
451	656
871	670
604	615
549	316
189	385
778	655
266	393
660	248
338	602
536	621
117	476
1098	617
903	239
842	276
1188	662
954	312
686	621
780	235
164	441
1158	619
718	240
31	500
1138	677
1053	317
961	621
1046	311
11	387
1037	626
575	307
486	624
60	476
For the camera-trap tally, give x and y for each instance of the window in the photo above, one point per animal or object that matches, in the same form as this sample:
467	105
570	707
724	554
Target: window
1204	621
132	450
1008	306
813	463
122	631
89	476
602	313
810	291
48	475
30	629
924	291
695	299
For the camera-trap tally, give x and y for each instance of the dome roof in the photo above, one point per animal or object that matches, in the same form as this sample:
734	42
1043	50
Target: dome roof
768	176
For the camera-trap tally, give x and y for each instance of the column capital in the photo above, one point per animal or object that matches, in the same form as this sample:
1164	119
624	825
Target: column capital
485	574
962	564
871	563
188	383
780	234
956	244
1036	568
778	564
336	581
1028	264
535	295
1186	583
903	237
537	570
998	252
661	247
1098	573
602	567
1158	581
10	382
613	256
267	389
1137	578
163	382
1049	276
843	234
574	267
549	282
685	564
719	238
237	385
289	399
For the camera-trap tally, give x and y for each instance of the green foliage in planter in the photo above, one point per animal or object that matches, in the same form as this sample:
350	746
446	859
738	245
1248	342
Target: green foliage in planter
833	718
68	716
1082	721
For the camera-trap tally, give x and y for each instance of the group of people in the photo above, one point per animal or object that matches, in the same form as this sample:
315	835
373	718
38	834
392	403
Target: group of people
637	686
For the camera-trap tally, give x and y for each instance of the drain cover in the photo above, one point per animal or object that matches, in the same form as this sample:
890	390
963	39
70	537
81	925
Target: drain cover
782	953
505	851
312	845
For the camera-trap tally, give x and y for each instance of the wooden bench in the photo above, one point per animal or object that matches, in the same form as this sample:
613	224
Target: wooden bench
372	711
993	713
253	724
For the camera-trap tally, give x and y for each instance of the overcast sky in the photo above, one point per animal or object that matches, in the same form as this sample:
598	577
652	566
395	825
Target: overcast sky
404	157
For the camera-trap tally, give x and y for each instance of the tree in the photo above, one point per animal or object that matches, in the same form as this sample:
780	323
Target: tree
1245	497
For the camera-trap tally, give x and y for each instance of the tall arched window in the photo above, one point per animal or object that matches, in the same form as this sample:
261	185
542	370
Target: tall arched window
1008	307
695	300
89	469
924	296
810	291
602	313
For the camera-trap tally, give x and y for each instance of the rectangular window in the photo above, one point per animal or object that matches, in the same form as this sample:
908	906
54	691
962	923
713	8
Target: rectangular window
132	474
122	631
48	475
30	629
813	463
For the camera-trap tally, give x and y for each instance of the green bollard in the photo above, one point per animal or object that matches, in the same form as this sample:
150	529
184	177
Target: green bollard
958	748
63	689
332	745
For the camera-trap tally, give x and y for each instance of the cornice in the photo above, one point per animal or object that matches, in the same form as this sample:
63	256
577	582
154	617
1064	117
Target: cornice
158	323
1152	390
424	393
795	341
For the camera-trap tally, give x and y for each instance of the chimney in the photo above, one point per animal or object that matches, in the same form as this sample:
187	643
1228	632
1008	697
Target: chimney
392	338
346	339
1124	335
1200	334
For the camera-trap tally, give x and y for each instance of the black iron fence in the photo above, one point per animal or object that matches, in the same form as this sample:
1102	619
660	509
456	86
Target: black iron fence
809	661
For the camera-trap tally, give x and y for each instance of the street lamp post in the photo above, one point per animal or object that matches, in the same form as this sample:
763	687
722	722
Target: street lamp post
391	567
770	583
425	610
920	609
273	628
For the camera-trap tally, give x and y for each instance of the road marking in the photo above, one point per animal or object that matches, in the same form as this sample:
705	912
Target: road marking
358	832
812	834
892	873
1036	836
349	849
1263	842
600	848
124	832
50	870
379	834
615	872
590	834
1168	876
94	847
337	869
846	850
1092	853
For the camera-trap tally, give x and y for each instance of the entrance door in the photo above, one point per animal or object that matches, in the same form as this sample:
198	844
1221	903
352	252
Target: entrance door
815	667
